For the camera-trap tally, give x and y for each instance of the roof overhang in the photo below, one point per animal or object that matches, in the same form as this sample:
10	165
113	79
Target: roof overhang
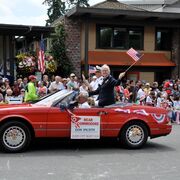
25	30
129	14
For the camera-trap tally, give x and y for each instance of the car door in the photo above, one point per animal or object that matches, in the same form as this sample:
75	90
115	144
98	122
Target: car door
59	121
93	113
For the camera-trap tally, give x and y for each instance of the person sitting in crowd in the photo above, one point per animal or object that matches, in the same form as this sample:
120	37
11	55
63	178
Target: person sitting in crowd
73	84
24	83
22	94
42	89
56	85
8	95
105	91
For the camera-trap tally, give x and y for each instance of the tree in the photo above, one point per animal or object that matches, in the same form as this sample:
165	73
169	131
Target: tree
81	3
56	9
58	50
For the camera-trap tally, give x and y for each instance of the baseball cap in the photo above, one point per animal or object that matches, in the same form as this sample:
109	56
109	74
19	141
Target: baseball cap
72	75
32	77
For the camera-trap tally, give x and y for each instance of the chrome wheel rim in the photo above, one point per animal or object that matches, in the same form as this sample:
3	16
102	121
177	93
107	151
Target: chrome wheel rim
14	137
135	134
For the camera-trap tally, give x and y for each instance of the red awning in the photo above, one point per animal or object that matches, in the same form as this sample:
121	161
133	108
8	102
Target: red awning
122	59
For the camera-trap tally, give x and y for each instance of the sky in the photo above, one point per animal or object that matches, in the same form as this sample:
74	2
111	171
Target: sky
26	12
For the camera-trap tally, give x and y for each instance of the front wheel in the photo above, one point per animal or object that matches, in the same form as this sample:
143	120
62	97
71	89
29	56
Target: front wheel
134	135
14	136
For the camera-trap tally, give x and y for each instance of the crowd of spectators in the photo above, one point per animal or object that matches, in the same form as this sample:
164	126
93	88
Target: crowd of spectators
166	95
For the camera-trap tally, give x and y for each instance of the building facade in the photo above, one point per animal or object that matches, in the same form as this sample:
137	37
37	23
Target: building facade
101	34
16	39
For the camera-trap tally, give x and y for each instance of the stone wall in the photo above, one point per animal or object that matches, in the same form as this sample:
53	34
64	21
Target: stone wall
176	53
73	30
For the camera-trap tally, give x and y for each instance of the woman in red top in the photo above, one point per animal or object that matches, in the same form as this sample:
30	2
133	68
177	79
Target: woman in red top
127	94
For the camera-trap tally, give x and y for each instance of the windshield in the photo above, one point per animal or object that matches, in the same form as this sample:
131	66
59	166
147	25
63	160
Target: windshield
48	101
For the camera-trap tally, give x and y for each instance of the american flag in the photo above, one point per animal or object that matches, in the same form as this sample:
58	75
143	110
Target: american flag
41	61
134	54
92	69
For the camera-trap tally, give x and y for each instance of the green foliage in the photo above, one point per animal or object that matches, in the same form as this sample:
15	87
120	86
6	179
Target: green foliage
58	50
81	3
58	8
55	10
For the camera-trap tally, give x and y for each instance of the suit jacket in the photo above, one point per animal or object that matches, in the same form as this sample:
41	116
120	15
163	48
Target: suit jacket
106	91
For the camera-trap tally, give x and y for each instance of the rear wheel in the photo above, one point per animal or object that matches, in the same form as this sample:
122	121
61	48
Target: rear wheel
15	136
134	135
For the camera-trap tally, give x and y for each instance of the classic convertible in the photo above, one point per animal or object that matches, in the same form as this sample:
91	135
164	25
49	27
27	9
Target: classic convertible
56	116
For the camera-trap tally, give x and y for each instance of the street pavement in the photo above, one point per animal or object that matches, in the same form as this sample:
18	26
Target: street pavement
95	160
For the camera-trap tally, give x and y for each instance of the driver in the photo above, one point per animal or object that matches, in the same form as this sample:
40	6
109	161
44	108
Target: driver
82	100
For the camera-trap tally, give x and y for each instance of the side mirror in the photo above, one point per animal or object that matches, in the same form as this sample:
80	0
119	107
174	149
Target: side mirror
63	106
73	104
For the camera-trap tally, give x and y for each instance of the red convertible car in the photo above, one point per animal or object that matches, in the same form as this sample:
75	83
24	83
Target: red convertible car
56	116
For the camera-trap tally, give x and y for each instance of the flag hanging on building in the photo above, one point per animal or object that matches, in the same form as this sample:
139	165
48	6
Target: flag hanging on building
41	58
92	69
134	54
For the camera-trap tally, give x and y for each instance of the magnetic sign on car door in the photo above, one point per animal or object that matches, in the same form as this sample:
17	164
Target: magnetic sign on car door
85	127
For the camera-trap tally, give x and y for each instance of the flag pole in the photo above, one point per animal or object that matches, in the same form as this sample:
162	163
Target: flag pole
133	64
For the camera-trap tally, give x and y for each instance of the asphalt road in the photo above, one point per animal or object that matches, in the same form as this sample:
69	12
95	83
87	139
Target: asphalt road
92	160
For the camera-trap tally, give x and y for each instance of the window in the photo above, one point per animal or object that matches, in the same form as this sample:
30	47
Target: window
113	37
163	39
105	37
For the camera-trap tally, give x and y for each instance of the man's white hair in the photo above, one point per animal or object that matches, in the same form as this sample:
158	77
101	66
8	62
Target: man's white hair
106	67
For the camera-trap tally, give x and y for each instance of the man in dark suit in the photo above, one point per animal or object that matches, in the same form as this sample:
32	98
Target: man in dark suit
106	89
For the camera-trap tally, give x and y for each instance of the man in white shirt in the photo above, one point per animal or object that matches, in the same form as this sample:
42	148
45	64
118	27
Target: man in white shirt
99	76
56	85
98	81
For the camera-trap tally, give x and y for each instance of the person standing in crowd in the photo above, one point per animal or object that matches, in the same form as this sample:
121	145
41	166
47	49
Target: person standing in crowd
127	94
151	99
56	85
131	90
93	83
24	83
31	94
141	96
83	88
106	89
46	81
147	89
155	87
16	89
99	78
136	88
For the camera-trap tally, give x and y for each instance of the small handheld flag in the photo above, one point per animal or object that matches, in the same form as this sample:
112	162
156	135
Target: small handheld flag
92	69
134	54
